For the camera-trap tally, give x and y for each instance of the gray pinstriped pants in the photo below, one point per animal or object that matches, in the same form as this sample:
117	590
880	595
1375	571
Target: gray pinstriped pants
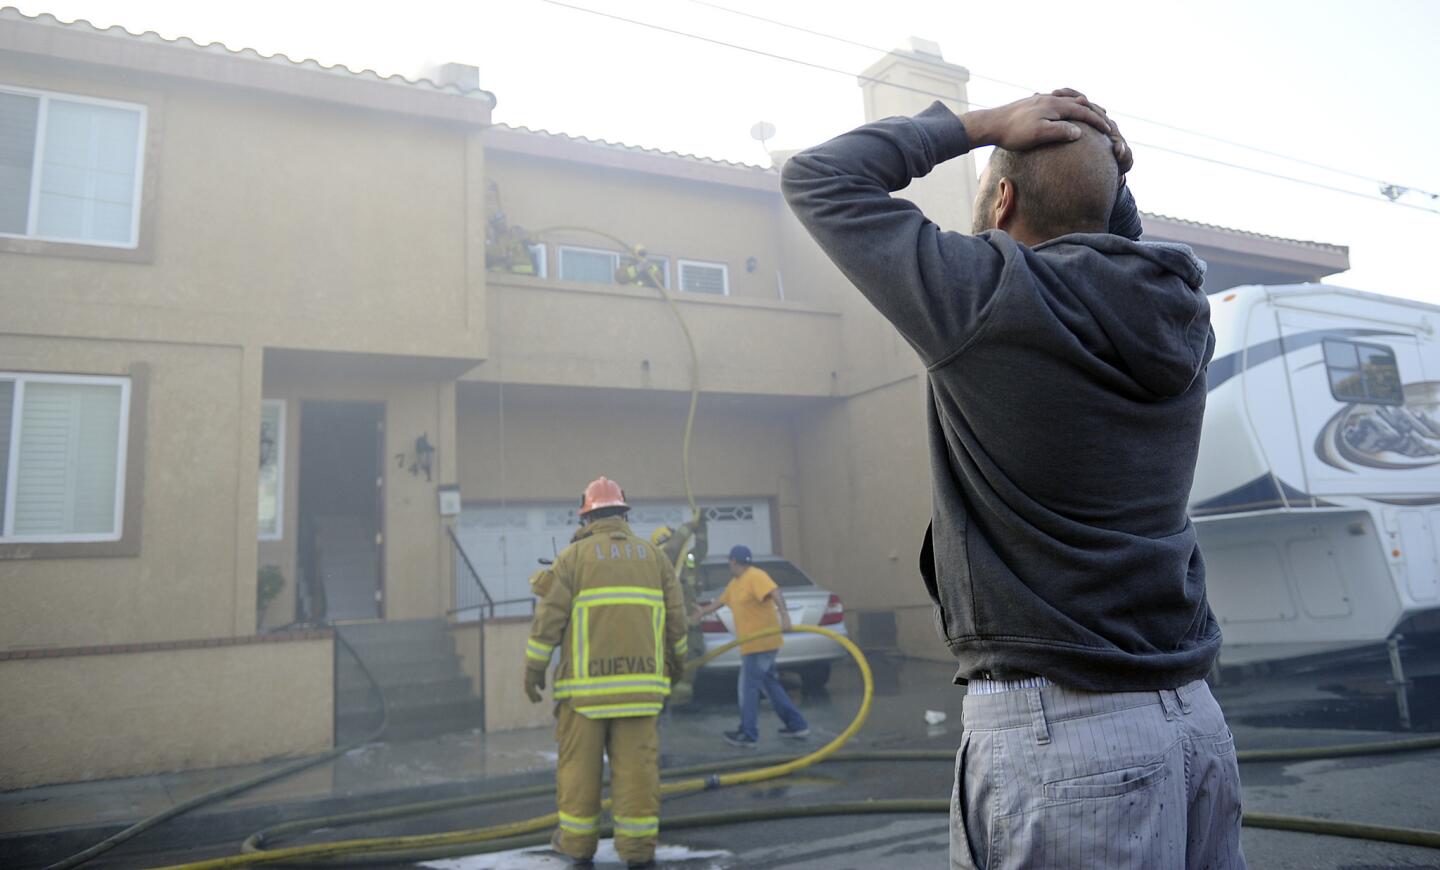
1054	777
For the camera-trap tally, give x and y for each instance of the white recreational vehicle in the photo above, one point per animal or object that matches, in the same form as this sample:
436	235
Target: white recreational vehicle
1317	492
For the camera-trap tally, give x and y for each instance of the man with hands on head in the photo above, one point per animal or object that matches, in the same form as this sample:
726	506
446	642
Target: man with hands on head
1066	384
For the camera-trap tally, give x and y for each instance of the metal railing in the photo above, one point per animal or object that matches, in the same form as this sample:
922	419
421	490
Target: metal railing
492	606
486	601
486	598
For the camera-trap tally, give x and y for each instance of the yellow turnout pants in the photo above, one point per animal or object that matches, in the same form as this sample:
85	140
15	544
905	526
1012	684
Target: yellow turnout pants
632	744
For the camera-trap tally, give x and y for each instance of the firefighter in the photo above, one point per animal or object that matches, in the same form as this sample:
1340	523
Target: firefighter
612	604
672	543
638	268
507	247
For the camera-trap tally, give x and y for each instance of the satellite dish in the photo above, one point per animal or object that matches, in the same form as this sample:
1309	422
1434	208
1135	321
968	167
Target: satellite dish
762	131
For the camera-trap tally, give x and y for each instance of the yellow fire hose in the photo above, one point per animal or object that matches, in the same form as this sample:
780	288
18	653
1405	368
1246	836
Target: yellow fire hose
689	342
533	832
409	844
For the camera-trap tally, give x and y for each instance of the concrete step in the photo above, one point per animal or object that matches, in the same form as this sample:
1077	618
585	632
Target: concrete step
428	693
349	675
401	651
416	665
391	631
413	723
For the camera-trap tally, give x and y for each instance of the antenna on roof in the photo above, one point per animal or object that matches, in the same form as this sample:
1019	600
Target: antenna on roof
763	132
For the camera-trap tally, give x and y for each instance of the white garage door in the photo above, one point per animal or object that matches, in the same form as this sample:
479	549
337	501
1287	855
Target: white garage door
506	544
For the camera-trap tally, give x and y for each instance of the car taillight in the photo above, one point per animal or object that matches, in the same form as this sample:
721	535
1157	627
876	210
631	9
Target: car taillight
834	611
712	625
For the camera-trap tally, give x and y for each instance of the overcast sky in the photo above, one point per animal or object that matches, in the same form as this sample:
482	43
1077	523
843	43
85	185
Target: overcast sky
1346	84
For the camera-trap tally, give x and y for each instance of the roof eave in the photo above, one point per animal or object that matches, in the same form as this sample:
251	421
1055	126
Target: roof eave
182	58
555	146
1322	258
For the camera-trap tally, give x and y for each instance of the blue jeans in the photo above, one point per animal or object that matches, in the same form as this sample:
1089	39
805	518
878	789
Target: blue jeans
757	673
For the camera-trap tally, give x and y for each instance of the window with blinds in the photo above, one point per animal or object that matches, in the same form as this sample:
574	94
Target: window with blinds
62	457
700	277
70	168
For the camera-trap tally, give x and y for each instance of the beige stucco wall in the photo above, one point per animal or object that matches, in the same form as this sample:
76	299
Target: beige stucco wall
864	501
554	441
100	716
506	706
565	333
864	479
269	221
275	221
190	580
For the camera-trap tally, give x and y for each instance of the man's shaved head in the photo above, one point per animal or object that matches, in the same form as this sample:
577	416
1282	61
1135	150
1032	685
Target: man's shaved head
1064	188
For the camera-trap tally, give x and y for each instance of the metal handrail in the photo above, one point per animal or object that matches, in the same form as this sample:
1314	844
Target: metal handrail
490	601
494	604
469	566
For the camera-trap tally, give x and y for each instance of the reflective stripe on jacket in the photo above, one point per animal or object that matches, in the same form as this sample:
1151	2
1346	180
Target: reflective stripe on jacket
612	604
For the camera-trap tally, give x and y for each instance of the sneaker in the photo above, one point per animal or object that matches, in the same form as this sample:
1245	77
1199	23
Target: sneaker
795	733
738	738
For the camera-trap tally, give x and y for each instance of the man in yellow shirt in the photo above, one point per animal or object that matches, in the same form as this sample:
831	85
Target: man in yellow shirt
756	603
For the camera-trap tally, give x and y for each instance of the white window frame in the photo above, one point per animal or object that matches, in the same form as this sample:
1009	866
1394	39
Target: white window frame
280	439
560	261
680	277
41	120
7	535
540	254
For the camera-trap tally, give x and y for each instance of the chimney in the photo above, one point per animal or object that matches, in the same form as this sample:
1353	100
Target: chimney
947	193
460	75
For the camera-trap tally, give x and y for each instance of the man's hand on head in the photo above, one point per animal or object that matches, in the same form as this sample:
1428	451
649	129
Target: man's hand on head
1123	156
1042	119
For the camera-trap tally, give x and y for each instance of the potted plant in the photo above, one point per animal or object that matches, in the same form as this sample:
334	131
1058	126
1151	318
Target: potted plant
270	582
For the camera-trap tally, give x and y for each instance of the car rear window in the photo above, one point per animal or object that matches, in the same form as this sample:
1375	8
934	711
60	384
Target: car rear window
715	576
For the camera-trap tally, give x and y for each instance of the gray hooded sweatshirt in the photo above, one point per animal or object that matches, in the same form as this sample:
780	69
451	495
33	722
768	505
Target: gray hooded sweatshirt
1066	390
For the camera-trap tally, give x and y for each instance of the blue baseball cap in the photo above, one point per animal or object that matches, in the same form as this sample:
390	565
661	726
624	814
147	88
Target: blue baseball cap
741	554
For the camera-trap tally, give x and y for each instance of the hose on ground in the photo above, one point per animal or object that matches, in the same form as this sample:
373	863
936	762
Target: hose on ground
535	831
1273	821
537	835
1380	833
243	785
425	844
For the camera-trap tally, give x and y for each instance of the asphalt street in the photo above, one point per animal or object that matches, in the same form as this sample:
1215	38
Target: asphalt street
1331	706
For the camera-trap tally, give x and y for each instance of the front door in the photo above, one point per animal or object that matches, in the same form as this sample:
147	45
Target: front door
341	516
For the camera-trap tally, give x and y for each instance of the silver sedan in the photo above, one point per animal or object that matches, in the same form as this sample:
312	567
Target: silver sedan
808	655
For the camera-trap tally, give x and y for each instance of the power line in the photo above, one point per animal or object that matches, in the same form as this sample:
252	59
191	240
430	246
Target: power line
1321	185
750	50
799	29
939	96
1389	189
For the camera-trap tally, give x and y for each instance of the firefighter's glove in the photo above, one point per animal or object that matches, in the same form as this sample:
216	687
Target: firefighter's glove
535	684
